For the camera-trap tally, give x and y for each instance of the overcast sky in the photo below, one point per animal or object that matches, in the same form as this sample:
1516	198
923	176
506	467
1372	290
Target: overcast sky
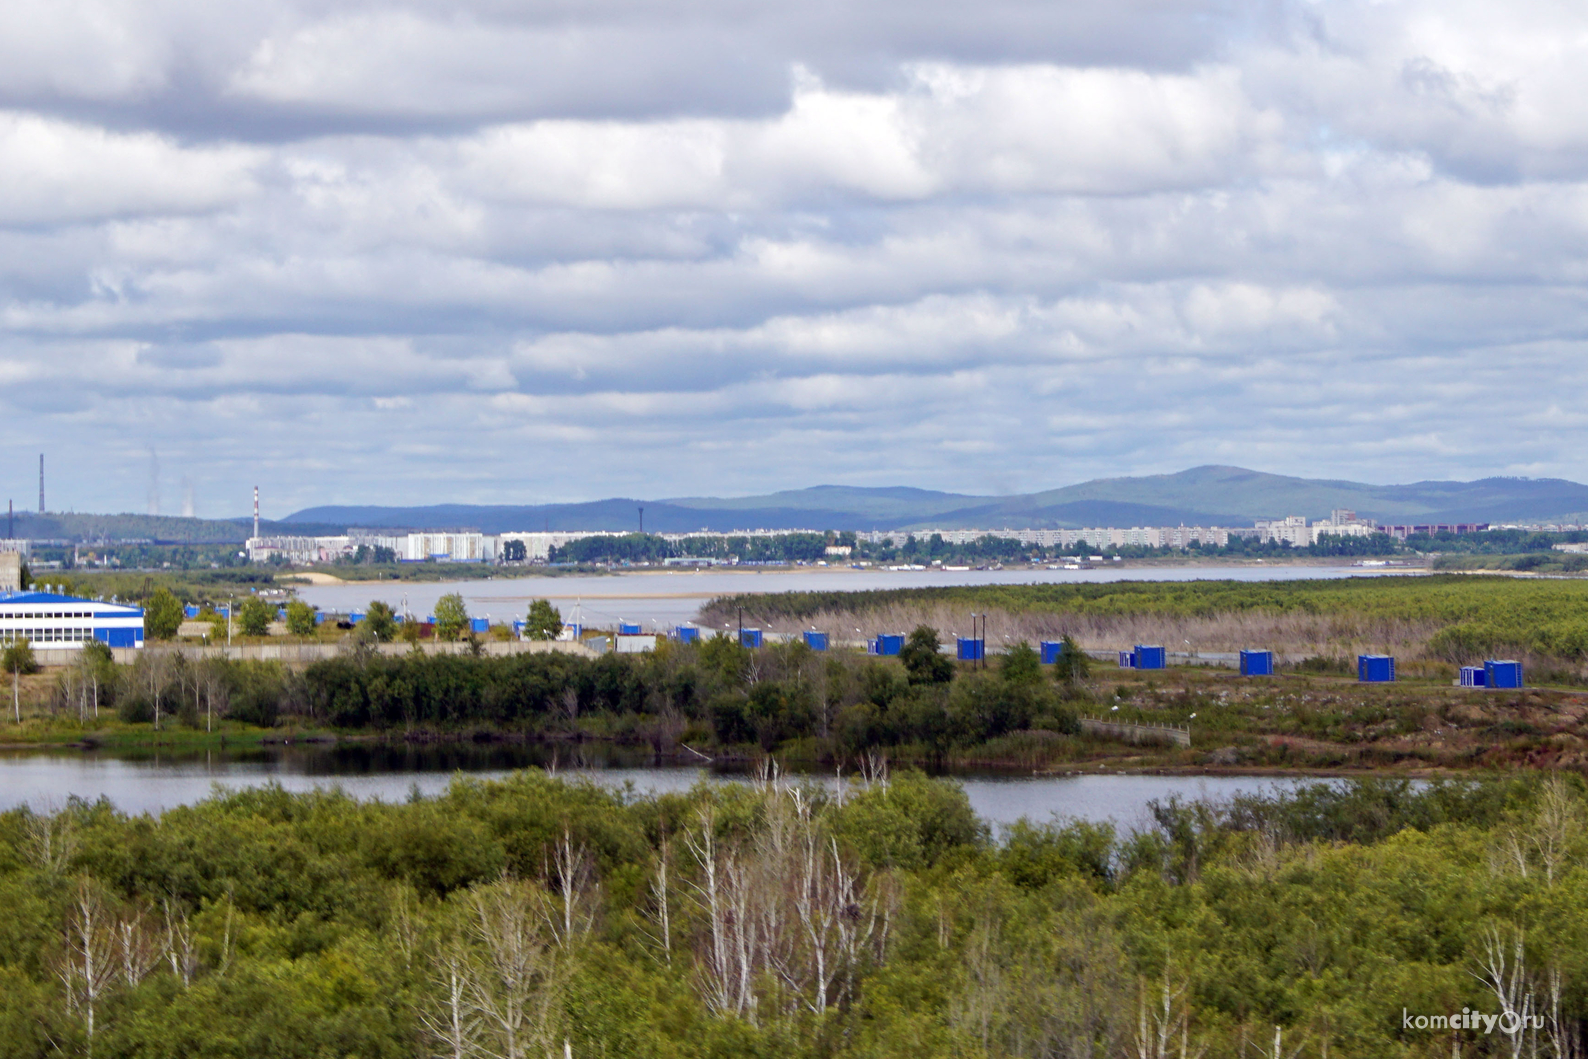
509	252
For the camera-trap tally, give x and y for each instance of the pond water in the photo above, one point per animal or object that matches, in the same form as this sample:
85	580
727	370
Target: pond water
663	598
151	782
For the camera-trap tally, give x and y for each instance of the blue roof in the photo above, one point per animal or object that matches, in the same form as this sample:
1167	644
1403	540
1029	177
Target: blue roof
35	598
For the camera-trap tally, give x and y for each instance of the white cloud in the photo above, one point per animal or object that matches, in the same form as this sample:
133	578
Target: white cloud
938	245
58	172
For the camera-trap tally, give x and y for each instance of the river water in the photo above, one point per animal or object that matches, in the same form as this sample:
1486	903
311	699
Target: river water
150	783
664	598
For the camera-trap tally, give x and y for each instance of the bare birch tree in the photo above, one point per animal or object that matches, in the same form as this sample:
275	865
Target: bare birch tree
180	946
87	967
1503	971
50	839
514	984
569	908
784	912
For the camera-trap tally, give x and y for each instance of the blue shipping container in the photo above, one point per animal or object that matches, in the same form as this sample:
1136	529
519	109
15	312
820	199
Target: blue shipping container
479	624
1051	650
1257	663
626	629
1474	677
886	644
686	634
1375	669
971	650
816	641
750	637
1149	657
1503	674
189	611
357	617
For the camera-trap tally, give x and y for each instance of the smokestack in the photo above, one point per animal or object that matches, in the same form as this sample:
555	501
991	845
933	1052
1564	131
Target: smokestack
41	483
256	511
11	520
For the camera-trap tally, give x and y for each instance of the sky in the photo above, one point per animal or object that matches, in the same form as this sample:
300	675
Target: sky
491	252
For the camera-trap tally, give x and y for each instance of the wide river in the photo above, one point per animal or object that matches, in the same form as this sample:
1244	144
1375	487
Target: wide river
150	783
664	598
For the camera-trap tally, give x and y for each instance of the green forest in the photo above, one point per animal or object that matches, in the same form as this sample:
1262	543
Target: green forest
873	917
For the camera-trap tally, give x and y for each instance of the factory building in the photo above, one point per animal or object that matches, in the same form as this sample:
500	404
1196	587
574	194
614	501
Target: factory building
48	620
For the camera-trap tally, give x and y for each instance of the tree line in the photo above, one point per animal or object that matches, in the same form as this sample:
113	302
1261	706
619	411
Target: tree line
715	693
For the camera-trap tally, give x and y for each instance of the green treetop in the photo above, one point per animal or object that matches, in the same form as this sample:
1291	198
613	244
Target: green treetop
452	616
544	621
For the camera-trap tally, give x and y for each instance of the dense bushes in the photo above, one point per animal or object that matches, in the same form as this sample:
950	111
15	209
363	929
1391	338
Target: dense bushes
767	697
853	920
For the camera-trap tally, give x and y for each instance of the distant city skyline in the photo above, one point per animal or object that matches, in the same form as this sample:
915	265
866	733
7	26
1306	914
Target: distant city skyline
394	253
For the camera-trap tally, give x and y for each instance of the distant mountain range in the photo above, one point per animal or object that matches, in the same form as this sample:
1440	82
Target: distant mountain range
1208	496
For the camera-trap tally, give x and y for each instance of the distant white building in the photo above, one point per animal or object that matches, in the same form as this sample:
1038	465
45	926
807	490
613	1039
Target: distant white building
1292	531
538	545
300	551
303	551
449	548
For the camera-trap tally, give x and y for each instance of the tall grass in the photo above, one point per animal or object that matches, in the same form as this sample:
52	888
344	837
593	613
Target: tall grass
1447	618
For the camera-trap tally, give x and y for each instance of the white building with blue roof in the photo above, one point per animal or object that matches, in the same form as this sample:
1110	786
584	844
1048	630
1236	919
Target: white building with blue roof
52	621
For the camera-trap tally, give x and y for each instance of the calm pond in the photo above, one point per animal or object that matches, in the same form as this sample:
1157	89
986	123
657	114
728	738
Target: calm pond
151	782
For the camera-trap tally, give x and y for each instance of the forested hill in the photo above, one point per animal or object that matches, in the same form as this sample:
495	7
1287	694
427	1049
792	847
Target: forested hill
1208	495
163	529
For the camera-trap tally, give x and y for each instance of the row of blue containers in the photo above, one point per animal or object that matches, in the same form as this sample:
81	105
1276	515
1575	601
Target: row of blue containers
190	611
816	641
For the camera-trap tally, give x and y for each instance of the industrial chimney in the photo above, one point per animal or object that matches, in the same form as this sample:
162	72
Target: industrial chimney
256	511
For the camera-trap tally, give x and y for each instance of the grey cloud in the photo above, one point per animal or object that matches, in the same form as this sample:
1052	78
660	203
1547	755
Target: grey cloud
278	69
498	252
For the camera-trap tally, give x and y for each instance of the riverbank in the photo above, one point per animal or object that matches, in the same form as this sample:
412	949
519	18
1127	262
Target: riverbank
1294	724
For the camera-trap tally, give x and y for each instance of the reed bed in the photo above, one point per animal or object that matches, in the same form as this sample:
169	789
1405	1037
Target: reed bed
1447	619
